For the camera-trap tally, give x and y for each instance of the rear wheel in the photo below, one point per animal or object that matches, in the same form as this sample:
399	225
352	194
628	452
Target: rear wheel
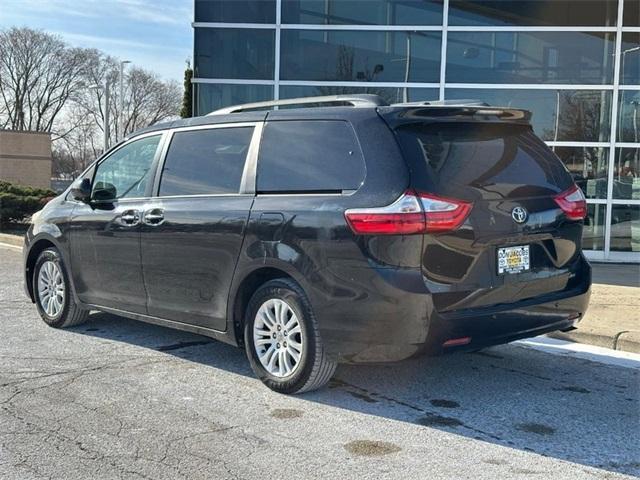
282	339
51	287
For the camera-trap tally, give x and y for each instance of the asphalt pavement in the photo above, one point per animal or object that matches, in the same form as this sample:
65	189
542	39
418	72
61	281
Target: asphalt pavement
116	398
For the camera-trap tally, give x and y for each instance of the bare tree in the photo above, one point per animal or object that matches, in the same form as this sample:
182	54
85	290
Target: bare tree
38	74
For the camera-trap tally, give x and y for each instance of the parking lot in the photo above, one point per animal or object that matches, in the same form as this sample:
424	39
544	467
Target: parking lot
120	399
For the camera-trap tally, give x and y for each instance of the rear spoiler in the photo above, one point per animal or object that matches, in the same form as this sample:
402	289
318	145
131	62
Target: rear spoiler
396	116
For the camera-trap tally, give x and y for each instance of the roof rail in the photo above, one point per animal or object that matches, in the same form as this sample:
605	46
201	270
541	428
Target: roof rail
443	103
361	100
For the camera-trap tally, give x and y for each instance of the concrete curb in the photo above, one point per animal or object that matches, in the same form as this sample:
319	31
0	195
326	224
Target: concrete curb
15	240
627	341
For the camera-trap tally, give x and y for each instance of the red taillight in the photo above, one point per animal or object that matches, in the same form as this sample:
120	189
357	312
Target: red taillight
411	213
572	203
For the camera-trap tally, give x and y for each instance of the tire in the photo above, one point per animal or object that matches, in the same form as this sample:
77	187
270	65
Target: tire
69	312
314	367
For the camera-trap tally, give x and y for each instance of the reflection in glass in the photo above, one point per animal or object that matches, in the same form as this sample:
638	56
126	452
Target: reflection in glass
361	56
593	231
234	53
626	174
631	17
625	228
390	95
536	57
630	58
363	12
534	12
628	103
561	115
211	96
235	11
589	168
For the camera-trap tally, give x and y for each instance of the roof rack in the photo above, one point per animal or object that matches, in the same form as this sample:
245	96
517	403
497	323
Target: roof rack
443	103
361	100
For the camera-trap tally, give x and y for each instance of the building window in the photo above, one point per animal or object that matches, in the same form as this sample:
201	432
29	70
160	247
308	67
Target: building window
360	56
589	167
211	96
363	12
536	57
234	53
557	13
235	11
625	228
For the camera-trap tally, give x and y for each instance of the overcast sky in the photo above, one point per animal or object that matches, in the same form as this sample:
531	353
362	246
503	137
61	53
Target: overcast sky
153	34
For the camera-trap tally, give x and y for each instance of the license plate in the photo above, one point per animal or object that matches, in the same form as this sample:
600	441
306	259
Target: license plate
513	259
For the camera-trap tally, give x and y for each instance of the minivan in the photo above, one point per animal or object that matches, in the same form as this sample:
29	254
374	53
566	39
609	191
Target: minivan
343	230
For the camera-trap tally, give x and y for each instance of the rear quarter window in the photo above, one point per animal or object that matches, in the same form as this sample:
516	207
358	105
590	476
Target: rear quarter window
309	156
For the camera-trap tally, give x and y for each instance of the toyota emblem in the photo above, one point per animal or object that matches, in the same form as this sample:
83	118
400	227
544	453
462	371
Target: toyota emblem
519	214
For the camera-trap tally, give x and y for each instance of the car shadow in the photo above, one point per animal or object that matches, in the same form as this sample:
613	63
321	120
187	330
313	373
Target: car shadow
567	408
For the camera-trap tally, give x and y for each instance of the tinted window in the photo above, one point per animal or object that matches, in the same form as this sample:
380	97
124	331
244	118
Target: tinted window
536	57
234	53
126	172
309	156
507	161
360	56
363	12
534	12
205	161
235	11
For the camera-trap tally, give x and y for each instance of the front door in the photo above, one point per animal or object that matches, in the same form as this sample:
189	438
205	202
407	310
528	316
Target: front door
105	232
192	232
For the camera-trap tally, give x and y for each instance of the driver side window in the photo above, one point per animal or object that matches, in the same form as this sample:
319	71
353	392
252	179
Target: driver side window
126	172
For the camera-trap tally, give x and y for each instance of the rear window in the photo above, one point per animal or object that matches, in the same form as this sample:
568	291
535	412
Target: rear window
309	156
505	160
207	161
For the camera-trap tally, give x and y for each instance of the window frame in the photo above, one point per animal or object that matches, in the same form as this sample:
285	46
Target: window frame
152	169
248	180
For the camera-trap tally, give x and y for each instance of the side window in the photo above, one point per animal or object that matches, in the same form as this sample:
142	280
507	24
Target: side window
207	161
309	156
126	172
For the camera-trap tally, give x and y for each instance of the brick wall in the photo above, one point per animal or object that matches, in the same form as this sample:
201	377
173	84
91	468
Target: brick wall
25	158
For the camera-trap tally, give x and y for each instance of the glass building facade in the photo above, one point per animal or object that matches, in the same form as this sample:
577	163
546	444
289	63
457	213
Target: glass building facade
574	63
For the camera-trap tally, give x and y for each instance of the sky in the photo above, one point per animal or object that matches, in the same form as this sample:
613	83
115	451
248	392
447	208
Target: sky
152	34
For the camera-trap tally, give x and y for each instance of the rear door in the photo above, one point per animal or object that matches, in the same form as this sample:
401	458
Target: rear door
192	231
511	178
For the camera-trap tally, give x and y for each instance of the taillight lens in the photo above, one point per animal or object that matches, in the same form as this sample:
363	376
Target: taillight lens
572	203
411	213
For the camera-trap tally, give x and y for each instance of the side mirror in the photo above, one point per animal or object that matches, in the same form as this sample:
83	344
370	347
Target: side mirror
81	190
104	193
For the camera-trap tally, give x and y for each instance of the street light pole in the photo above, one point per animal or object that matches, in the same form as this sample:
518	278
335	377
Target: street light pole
106	116
121	126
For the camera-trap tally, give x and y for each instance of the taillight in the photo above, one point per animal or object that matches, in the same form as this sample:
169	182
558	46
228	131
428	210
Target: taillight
411	213
572	203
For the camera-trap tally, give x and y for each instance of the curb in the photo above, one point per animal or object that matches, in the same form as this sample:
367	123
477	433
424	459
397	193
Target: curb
627	341
15	240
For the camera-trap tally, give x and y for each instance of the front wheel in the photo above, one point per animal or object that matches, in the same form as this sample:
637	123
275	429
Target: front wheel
52	290
282	339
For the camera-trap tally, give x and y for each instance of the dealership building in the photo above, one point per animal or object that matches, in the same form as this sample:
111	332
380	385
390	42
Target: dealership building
574	63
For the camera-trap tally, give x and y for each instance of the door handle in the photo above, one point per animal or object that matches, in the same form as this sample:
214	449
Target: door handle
130	218
153	217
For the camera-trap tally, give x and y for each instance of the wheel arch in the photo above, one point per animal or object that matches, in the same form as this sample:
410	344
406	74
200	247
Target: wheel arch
36	247
245	288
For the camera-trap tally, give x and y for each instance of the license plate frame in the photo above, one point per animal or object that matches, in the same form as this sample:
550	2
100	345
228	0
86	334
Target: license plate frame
513	260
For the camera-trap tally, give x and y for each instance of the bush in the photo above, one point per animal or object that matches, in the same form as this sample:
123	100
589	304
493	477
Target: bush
18	202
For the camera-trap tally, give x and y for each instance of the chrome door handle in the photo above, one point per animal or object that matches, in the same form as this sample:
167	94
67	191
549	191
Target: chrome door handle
130	218
153	217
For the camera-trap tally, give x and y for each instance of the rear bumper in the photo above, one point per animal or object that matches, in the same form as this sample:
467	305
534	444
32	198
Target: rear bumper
502	325
401	322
